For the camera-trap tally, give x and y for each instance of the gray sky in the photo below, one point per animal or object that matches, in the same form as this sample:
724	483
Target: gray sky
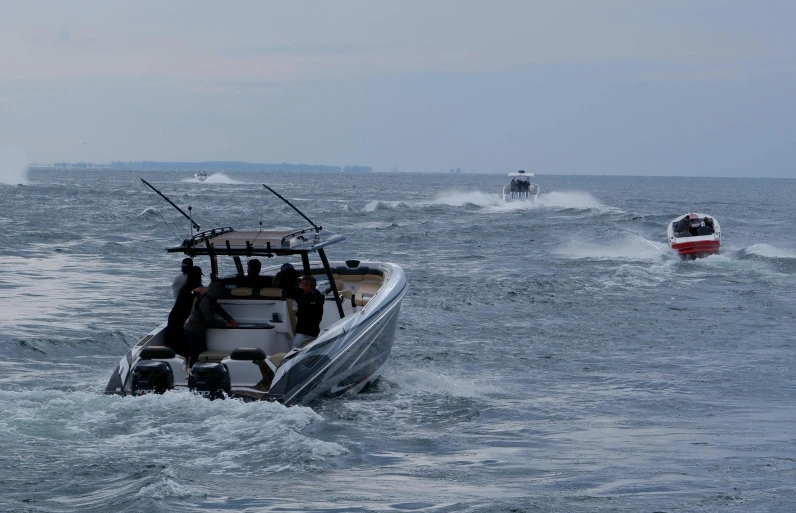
588	87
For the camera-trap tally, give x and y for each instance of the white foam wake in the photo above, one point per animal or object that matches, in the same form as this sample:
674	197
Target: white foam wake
13	166
626	246
768	251
494	202
214	178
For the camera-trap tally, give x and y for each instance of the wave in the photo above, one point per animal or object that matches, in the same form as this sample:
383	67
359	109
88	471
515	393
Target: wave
767	251
379	205
626	246
215	178
564	200
460	199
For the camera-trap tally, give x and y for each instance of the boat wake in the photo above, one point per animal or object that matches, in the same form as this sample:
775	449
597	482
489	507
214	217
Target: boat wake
214	178
564	200
13	166
767	251
628	246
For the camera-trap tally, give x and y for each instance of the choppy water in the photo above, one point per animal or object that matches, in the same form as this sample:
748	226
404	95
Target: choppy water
554	357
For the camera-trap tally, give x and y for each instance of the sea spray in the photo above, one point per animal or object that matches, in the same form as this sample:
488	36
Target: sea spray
13	166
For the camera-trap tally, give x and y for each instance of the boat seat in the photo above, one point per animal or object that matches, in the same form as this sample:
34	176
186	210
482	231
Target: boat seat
242	291
361	299
291	312
247	353
157	353
213	356
271	292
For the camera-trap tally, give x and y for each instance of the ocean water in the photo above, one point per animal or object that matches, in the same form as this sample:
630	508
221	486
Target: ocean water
549	357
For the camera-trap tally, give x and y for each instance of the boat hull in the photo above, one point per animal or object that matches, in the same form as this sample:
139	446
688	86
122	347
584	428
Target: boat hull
693	245
346	358
697	248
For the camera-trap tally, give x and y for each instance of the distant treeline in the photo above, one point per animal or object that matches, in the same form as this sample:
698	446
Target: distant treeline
146	165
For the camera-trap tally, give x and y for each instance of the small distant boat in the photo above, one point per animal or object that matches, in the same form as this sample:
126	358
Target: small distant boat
201	176
694	235
520	188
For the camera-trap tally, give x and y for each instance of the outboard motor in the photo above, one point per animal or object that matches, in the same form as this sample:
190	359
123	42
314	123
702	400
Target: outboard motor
152	376
210	379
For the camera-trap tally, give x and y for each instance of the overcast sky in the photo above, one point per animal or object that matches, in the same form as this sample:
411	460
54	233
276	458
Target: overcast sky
638	87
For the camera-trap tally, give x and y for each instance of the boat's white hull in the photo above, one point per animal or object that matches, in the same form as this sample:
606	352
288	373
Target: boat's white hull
348	355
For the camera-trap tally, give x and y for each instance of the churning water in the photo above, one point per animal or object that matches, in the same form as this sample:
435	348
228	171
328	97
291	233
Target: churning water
550	357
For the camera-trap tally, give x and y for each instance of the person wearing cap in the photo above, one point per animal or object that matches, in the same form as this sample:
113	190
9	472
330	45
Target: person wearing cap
179	281
175	335
203	316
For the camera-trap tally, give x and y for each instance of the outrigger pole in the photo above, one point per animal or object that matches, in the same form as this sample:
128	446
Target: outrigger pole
193	224
317	228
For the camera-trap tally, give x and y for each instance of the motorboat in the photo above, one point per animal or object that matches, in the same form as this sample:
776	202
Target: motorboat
201	176
694	235
520	188
257	359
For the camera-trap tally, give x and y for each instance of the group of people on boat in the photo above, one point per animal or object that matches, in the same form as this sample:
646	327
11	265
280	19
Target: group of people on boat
692	226
195	306
520	185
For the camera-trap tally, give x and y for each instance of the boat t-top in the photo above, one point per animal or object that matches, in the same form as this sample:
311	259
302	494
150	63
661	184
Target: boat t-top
258	359
520	188
694	235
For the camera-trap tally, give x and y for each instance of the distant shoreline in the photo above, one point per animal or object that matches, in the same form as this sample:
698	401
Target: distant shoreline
216	166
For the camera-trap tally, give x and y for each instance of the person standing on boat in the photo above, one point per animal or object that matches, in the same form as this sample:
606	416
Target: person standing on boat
175	335
286	279
179	281
203	317
310	310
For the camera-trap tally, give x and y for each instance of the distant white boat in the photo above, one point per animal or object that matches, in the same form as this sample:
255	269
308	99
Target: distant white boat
520	188
201	176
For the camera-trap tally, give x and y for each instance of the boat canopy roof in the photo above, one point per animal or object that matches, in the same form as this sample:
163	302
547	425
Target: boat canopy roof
227	241
521	173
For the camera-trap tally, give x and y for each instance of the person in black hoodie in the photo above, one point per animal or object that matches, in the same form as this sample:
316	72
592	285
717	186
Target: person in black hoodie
203	317
175	336
310	310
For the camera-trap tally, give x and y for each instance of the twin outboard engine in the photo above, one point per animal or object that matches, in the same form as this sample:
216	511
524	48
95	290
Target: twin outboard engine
210	379
152	376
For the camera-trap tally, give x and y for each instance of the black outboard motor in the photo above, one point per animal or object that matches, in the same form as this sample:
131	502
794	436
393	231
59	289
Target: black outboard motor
152	376
210	379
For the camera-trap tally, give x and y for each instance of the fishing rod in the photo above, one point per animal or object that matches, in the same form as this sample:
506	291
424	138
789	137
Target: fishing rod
317	228
193	224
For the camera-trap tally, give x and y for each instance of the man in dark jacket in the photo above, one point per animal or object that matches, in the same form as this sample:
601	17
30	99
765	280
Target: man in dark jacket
203	316
310	311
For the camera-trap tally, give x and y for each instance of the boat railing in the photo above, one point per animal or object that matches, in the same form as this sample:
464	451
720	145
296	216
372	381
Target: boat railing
508	194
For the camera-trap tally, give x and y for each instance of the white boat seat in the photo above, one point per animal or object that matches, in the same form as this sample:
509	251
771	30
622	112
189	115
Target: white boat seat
361	299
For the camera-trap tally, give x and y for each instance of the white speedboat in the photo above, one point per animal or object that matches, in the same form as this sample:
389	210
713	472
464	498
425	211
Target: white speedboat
201	176
520	188
694	235
257	359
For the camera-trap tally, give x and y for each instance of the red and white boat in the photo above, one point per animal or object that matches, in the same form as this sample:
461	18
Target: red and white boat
694	235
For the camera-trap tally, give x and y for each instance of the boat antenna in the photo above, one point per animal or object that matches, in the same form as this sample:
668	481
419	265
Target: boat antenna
317	228
193	224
